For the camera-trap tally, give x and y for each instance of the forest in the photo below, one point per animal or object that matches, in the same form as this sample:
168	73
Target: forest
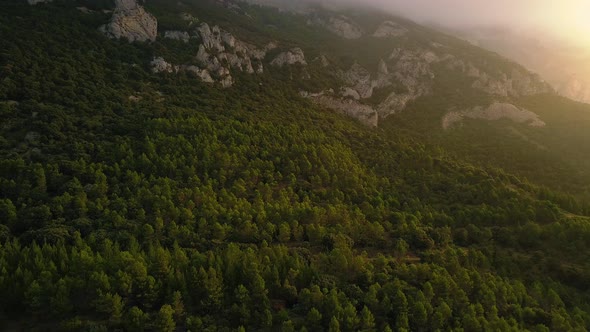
196	208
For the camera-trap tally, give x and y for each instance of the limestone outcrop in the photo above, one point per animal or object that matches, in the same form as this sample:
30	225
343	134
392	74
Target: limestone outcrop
364	113
515	84
341	26
132	22
291	57
496	111
177	35
35	2
219	53
390	29
159	65
322	60
409	71
358	79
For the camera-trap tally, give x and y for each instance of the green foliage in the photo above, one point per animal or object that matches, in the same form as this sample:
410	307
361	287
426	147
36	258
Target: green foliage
203	209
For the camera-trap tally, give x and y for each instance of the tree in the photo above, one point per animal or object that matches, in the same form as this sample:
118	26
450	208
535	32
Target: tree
288	326
60	303
165	319
117	309
334	325
178	306
314	319
367	320
419	316
135	319
351	320
7	212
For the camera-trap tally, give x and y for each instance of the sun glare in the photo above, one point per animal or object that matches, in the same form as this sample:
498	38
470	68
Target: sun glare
568	19
575	23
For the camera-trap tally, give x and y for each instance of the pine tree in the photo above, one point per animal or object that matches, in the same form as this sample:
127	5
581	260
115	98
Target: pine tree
165	319
334	325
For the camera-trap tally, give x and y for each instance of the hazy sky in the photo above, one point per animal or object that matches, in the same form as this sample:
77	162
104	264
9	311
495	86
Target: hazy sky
566	18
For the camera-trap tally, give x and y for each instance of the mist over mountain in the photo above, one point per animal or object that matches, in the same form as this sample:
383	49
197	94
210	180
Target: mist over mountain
543	16
565	65
522	31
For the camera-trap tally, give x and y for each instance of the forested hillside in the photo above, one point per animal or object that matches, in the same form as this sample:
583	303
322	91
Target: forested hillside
132	200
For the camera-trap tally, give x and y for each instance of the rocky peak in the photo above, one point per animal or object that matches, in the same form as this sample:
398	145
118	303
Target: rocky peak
132	22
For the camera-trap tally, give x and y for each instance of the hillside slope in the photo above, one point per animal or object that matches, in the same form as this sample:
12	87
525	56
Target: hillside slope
392	73
138	193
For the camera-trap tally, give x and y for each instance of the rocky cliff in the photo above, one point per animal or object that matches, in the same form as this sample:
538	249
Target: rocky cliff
291	57
340	25
390	29
400	74
130	21
220	53
364	113
496	111
177	35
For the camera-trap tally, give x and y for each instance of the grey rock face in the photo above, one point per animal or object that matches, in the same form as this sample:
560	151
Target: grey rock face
516	84
291	57
211	37
495	111
189	18
177	35
159	65
390	29
219	54
349	93
132	22
382	69
34	2
322	60
344	27
359	79
341	26
365	114
203	74
411	69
